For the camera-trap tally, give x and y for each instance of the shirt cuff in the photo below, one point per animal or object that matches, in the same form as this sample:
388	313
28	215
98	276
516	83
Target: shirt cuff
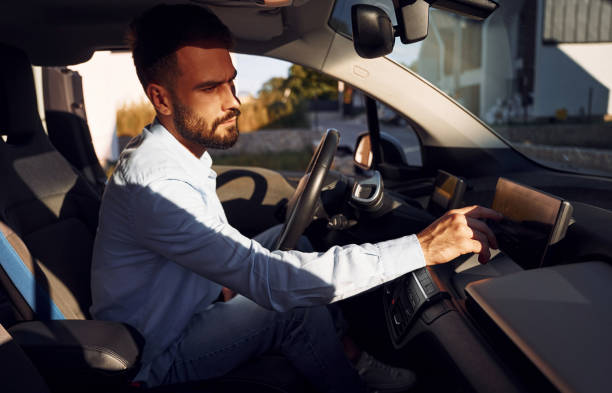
400	256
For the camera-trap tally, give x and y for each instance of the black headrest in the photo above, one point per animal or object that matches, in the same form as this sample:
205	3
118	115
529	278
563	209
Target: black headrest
18	107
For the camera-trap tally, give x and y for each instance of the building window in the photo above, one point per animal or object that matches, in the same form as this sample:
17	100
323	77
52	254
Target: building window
577	21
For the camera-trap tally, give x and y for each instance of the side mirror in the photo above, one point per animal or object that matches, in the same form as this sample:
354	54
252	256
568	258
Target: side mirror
363	152
391	149
373	33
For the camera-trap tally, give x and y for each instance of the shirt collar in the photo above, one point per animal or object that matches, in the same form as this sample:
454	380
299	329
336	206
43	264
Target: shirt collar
204	162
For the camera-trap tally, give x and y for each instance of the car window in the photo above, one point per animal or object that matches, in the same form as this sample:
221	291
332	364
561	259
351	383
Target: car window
536	72
401	133
284	112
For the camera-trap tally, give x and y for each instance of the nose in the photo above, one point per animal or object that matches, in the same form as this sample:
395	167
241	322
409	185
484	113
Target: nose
230	100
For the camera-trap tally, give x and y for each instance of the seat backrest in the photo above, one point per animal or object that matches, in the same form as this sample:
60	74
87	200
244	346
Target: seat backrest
43	202
67	123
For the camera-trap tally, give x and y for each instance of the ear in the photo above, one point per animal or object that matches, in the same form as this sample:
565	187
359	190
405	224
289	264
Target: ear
160	98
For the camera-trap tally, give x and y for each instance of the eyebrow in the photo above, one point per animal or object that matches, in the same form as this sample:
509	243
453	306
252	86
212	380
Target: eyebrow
206	84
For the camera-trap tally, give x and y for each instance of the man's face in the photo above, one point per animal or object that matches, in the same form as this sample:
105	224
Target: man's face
205	107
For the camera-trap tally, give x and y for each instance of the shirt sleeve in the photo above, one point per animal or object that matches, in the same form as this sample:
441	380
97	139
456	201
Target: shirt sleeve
171	218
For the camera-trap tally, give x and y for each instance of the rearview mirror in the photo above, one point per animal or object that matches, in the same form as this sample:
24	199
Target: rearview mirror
412	20
373	33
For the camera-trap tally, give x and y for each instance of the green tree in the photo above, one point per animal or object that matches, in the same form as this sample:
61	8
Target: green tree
285	100
308	84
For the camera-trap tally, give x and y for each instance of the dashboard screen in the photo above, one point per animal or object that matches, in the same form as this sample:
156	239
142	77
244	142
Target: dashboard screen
530	217
447	194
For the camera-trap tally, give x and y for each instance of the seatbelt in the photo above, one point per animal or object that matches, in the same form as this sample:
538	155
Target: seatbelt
35	295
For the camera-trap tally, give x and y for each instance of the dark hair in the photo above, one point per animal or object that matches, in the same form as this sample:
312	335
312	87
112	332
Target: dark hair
159	32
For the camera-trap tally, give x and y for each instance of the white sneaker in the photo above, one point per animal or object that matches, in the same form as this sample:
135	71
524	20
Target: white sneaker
382	378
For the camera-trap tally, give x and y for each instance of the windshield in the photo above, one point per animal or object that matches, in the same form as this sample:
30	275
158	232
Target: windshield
537	72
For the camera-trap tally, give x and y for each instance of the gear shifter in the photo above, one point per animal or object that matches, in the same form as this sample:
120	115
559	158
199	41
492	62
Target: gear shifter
367	194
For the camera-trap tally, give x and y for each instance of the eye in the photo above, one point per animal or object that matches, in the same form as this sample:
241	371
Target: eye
209	89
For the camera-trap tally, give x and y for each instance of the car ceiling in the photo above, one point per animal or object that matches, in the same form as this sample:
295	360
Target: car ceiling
64	32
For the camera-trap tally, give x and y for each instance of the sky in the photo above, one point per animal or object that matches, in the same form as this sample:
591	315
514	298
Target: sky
115	73
254	71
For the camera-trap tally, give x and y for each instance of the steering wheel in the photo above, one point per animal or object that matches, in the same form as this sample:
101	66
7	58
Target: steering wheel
301	206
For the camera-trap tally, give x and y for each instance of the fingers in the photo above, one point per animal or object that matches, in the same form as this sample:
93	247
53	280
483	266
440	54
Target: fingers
484	255
484	228
459	232
479	245
479	212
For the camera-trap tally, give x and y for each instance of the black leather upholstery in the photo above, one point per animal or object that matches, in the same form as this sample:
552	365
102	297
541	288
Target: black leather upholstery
48	215
71	136
67	123
95	355
42	199
17	373
17	95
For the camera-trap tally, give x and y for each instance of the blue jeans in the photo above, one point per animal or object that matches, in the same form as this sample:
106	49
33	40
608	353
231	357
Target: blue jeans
230	333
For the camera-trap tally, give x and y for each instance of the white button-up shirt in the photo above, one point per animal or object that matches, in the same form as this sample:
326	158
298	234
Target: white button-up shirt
164	248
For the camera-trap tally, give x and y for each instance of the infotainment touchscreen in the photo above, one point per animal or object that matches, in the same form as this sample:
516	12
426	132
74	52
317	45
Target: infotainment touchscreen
447	194
532	220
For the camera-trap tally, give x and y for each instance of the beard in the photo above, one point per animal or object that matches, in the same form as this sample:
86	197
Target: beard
195	128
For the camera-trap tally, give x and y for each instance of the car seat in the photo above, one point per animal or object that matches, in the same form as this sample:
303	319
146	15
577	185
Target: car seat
17	374
48	215
48	219
67	126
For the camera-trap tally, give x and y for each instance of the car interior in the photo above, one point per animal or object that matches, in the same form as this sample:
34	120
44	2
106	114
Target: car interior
535	318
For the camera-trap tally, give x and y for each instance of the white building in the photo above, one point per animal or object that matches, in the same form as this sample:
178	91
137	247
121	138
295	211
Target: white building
544	58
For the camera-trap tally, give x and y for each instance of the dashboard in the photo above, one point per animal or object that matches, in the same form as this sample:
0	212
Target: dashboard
547	319
504	325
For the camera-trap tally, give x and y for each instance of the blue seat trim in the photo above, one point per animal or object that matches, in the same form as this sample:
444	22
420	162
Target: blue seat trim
23	279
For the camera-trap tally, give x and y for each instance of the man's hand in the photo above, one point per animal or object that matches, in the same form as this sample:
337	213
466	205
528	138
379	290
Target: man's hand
459	232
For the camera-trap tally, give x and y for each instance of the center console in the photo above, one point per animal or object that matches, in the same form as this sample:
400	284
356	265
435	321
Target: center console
406	298
532	221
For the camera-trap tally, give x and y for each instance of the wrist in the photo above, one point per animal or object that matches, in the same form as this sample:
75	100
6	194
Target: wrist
422	239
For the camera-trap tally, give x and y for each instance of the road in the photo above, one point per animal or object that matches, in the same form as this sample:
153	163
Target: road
276	141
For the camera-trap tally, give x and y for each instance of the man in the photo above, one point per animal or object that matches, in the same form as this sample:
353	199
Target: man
164	248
